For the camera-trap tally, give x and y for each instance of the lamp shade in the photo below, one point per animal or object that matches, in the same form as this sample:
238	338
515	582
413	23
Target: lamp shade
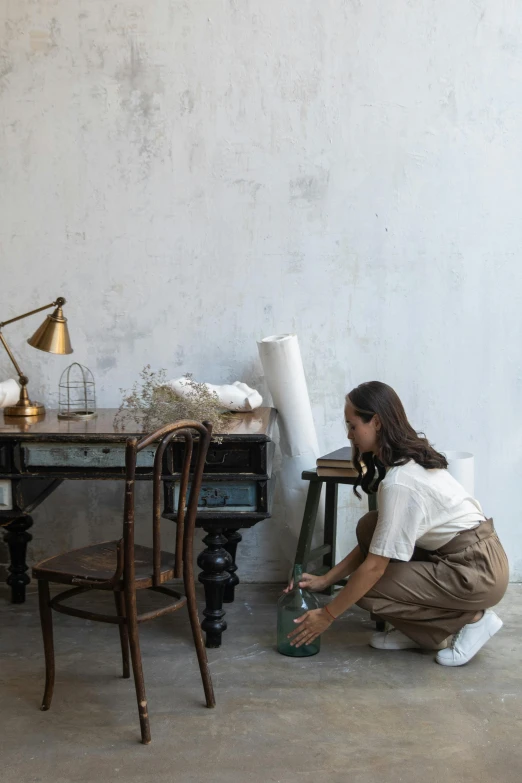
53	334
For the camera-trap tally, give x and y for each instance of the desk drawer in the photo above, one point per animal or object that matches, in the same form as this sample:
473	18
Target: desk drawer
227	458
224	496
78	455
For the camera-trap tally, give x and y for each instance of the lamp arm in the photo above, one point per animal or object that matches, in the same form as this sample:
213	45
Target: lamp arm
18	370
58	303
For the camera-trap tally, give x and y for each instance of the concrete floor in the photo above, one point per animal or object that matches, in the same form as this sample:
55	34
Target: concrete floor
349	714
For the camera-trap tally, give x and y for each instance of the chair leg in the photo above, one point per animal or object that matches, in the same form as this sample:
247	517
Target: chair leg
304	544
139	683
380	625
124	632
199	643
330	527
46	620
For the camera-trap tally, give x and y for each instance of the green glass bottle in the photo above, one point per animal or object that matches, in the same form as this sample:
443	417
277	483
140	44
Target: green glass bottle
290	606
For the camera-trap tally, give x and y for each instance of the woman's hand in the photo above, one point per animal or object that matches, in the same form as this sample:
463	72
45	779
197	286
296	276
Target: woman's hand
310	626
310	582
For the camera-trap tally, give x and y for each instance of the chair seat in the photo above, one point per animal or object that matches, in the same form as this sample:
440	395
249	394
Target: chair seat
98	562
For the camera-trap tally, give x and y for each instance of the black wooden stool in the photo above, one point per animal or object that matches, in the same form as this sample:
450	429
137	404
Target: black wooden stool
304	553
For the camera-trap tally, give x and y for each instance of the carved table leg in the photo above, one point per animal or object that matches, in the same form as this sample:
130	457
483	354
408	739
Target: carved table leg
214	562
17	538
233	538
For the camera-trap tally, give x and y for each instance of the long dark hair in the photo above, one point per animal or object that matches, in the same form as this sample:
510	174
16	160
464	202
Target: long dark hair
398	441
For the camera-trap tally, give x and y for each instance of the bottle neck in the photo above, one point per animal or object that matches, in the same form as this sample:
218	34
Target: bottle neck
297	575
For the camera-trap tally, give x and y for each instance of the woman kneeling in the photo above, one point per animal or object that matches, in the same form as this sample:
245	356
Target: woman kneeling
428	562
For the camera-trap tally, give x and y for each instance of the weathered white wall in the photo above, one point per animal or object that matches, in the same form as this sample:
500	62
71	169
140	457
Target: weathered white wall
193	176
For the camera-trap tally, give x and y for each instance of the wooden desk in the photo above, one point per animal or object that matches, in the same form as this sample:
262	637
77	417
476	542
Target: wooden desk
236	492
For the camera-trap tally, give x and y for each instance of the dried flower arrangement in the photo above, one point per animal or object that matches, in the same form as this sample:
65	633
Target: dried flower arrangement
151	403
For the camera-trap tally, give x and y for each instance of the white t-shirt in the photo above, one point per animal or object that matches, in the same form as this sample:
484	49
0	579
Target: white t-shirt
423	507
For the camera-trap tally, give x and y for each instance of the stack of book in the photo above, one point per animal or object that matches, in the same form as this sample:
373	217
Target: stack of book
337	463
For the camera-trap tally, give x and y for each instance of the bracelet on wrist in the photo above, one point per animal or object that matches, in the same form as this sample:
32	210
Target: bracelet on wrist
329	612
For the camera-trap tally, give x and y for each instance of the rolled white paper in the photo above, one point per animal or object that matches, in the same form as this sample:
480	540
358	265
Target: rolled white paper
461	465
284	374
9	393
235	396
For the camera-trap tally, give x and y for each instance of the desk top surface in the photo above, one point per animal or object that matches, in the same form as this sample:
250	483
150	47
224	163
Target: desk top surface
257	425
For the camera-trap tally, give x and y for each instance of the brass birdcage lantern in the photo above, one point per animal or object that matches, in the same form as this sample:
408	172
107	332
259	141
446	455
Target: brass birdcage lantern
77	393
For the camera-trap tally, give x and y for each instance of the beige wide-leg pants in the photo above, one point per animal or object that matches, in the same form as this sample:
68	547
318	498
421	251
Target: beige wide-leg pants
436	593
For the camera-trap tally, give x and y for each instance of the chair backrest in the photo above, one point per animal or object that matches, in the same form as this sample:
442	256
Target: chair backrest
187	511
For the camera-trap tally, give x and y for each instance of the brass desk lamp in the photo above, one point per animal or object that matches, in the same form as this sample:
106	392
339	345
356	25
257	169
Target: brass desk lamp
53	337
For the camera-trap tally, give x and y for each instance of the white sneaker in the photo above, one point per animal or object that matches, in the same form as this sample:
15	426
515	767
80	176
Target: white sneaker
468	641
393	639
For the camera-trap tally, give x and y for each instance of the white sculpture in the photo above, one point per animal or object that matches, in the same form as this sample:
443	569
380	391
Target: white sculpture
233	397
9	393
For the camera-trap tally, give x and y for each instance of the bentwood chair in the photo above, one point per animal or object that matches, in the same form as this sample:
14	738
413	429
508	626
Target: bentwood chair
124	568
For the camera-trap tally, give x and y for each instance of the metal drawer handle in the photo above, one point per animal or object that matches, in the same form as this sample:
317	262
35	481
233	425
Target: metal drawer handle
106	451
